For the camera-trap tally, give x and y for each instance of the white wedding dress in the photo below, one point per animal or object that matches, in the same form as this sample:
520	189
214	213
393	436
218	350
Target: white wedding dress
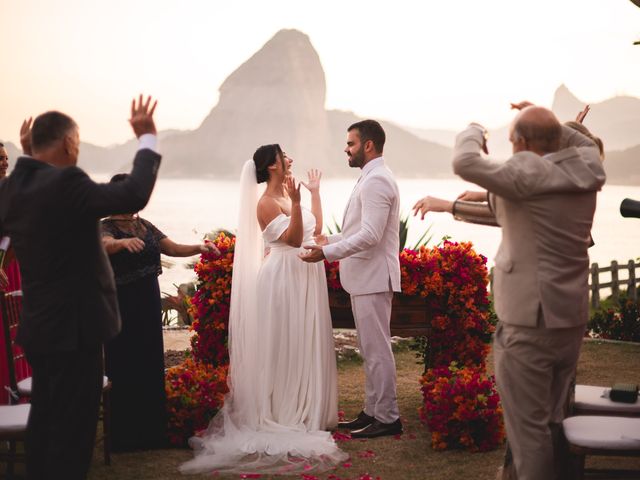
283	377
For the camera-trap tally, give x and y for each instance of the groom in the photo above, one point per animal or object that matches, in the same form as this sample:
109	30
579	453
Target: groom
370	271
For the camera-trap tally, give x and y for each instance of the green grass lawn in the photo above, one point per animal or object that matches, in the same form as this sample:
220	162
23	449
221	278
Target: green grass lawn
411	456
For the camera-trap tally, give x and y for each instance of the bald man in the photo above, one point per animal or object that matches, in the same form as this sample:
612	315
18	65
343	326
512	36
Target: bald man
543	198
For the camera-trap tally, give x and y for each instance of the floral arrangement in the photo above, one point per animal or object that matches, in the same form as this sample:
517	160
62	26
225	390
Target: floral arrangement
195	392
461	408
195	389
453	279
210	303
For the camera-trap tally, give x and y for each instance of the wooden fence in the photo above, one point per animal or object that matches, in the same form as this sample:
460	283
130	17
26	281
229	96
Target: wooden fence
629	283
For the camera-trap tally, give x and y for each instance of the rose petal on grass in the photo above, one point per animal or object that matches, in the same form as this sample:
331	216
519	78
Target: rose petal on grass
367	454
341	437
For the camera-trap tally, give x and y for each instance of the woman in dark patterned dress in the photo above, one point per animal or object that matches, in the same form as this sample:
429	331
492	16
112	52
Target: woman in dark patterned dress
134	360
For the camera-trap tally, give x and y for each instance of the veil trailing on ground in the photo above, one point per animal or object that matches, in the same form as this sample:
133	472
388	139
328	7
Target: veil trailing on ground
243	437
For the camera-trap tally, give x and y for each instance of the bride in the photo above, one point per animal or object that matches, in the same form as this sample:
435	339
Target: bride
282	375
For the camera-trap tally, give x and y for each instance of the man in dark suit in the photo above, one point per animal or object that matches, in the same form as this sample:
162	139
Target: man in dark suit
51	210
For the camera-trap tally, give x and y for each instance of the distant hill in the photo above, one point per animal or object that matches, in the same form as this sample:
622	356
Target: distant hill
276	96
615	120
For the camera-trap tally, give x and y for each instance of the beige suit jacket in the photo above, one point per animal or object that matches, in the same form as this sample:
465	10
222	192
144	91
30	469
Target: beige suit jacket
369	243
545	206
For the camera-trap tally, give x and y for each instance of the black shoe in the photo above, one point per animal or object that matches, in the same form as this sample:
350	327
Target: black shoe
362	421
378	429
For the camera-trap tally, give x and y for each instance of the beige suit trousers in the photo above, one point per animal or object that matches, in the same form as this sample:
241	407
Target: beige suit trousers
372	315
535	368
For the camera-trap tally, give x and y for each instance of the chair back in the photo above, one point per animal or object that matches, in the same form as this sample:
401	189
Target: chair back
18	367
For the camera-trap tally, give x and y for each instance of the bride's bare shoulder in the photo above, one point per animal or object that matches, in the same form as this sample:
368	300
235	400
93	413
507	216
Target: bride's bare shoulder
268	208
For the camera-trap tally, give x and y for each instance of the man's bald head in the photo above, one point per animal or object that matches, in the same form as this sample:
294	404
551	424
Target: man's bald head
536	129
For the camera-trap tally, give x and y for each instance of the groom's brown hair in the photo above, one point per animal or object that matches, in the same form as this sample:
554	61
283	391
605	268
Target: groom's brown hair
370	130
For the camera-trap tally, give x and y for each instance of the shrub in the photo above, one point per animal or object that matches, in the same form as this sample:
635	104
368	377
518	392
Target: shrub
621	322
196	388
210	303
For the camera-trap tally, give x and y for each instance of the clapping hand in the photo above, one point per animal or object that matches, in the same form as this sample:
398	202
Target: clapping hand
25	136
292	190
142	116
133	245
209	247
313	184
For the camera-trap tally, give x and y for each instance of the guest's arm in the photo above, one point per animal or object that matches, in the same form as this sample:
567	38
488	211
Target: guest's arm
172	249
475	211
131	194
115	245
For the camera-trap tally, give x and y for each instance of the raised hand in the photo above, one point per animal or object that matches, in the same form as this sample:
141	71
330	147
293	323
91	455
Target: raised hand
431	204
313	184
521	105
582	114
485	135
292	189
25	136
142	116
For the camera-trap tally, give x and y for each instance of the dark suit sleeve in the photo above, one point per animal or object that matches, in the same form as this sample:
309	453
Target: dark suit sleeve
103	199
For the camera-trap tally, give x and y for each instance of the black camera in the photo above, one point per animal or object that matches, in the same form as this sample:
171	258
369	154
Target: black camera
630	208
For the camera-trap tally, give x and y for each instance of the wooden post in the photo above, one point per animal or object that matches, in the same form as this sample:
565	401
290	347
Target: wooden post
632	293
615	283
595	286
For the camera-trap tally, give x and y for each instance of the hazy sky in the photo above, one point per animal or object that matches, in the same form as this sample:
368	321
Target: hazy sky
430	64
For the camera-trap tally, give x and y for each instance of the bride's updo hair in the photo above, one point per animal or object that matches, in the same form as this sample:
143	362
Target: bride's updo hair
265	156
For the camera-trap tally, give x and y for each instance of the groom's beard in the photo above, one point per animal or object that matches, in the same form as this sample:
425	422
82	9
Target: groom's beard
357	159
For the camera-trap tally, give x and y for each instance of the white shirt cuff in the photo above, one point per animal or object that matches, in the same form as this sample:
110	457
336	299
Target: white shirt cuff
148	140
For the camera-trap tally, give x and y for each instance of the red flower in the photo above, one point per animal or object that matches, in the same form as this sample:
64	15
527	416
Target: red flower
461	408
